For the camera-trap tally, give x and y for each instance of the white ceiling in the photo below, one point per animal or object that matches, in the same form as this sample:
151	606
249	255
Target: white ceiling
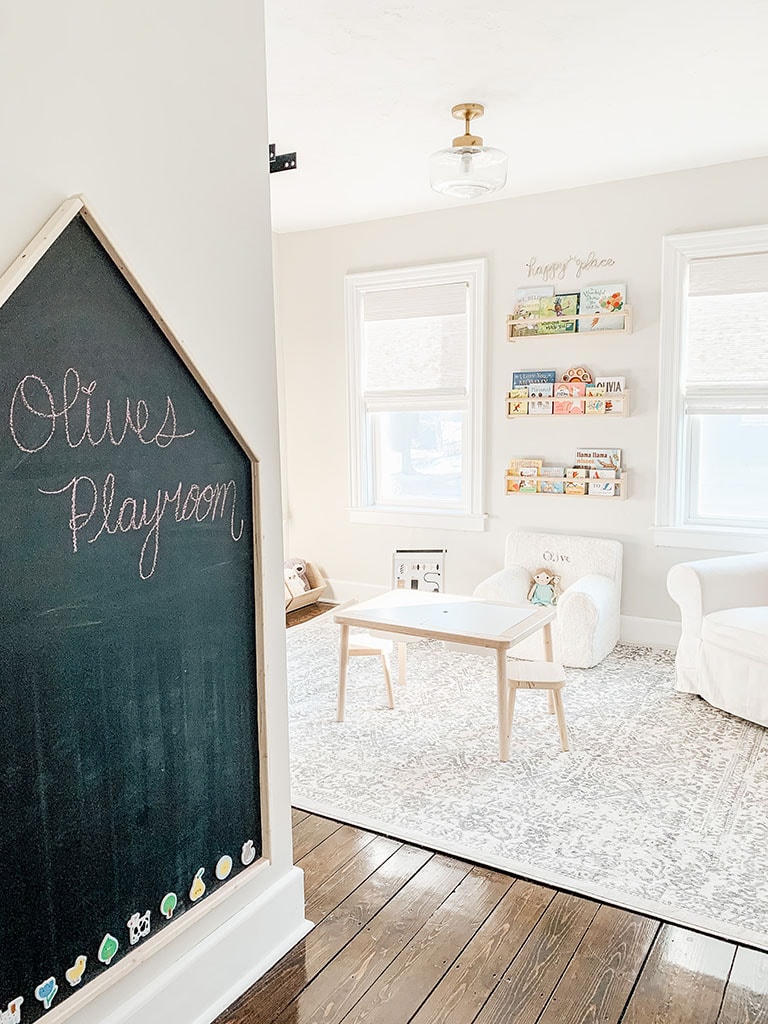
576	92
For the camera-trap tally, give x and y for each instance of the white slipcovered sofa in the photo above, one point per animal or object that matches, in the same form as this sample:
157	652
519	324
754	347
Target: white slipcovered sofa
723	649
589	607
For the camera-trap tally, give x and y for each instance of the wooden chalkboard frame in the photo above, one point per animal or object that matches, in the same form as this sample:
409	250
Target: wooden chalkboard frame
9	281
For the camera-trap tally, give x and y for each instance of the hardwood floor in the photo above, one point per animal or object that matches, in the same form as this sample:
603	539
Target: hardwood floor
406	935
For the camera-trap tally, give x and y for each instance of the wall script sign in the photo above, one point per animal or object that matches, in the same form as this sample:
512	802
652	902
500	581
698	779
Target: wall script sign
558	268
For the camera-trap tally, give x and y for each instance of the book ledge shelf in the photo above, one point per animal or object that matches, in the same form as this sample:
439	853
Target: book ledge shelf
620	323
579	487
586	402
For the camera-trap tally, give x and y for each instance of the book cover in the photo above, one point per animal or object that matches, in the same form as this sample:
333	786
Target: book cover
537	392
517	464
557	309
567	397
602	298
552	471
604	488
599	458
527	305
613	388
524	378
575	473
518	402
595	403
551	486
528	485
603	474
575	487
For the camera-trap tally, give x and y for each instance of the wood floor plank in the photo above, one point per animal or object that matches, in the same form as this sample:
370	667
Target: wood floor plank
311	832
298	815
420	965
265	1000
746	994
599	978
327	896
338	987
533	974
465	988
682	981
331	854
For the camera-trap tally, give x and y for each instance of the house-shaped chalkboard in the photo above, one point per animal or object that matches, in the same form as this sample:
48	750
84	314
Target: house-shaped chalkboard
129	670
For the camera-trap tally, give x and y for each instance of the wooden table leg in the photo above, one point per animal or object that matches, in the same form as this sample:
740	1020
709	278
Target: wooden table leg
549	652
343	658
501	689
549	655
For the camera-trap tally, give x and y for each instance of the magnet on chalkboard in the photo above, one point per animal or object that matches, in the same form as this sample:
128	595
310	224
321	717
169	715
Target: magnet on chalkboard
248	853
46	991
13	1014
74	973
198	886
223	867
138	926
108	948
168	904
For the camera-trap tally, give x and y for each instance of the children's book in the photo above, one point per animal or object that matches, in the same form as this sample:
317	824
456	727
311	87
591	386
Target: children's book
602	298
604	488
537	392
599	458
523	378
575	473
567	397
528	485
551	486
518	402
575	487
517	464
595	403
556	309
603	474
553	471
527	305
614	389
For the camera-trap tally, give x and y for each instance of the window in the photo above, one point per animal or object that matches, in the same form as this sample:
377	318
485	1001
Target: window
713	391
415	364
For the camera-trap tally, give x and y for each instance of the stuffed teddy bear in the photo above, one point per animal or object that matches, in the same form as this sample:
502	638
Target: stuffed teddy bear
545	587
295	573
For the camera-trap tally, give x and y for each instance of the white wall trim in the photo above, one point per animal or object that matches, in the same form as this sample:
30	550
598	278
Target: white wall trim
664	633
203	982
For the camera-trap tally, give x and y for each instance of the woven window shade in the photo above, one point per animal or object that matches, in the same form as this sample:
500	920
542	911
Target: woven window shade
416	339
727	337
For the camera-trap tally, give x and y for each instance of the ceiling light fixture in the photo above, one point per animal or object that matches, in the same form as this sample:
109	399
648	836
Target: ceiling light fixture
469	169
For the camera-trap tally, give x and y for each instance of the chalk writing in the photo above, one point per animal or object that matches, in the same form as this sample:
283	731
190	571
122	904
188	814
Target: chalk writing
95	508
35	415
557	268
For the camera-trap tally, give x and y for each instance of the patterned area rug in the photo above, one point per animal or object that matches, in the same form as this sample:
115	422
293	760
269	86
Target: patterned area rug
660	805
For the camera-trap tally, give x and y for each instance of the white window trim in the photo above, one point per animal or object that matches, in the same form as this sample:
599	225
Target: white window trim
355	286
670	529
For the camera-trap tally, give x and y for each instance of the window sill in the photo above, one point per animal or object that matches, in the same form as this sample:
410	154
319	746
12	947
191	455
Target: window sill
428	520
710	539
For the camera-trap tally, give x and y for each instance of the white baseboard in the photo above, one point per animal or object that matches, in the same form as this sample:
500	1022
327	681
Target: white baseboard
650	632
634	629
207	978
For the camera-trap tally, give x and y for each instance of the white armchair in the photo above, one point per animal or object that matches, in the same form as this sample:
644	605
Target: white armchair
723	649
589	607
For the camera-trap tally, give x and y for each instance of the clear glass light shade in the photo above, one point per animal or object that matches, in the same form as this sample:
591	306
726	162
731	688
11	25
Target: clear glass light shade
466	172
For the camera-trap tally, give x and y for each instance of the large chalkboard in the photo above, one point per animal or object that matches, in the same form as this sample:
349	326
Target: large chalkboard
129	763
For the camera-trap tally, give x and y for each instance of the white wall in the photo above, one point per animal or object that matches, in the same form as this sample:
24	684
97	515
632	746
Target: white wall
156	112
624	220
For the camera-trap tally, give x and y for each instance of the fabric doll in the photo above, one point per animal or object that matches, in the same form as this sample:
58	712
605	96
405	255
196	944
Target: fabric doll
545	587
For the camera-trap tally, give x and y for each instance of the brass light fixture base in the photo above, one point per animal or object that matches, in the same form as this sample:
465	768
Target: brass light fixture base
467	112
